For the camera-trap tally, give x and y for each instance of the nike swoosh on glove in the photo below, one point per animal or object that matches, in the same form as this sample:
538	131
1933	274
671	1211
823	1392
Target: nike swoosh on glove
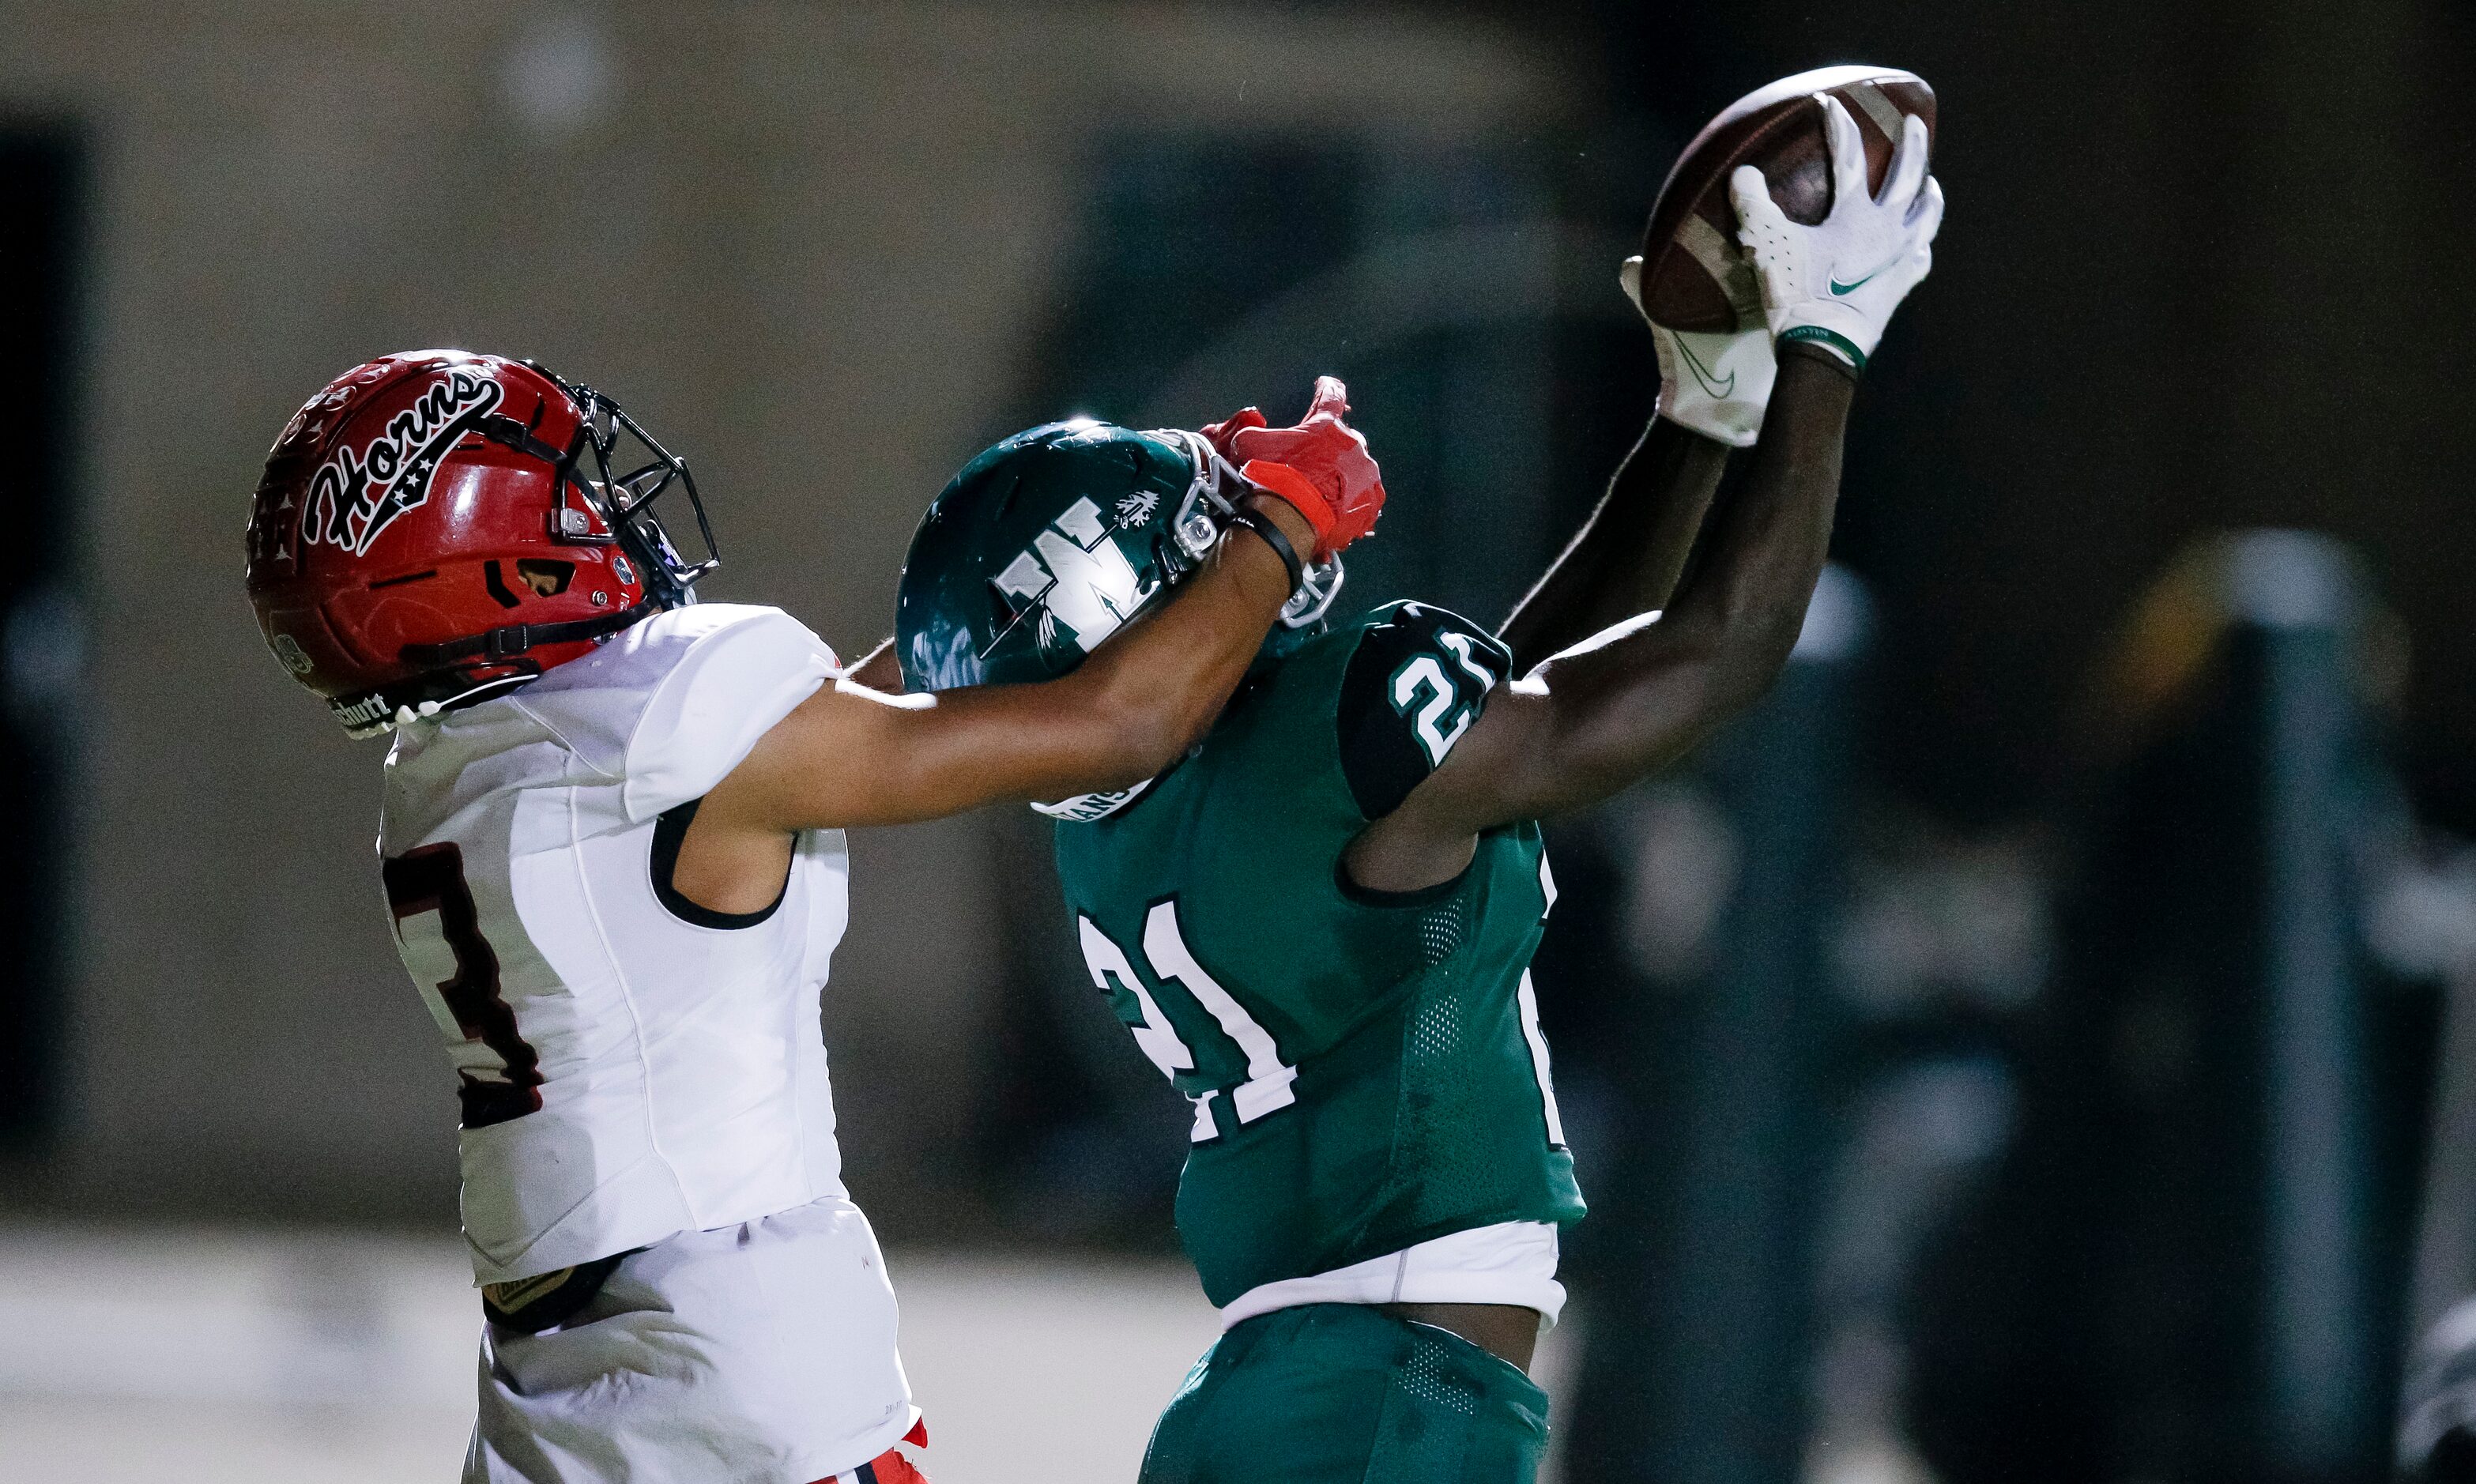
1320	466
1836	284
1714	382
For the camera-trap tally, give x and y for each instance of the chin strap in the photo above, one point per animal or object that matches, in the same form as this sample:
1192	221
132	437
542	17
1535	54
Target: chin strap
499	428
514	639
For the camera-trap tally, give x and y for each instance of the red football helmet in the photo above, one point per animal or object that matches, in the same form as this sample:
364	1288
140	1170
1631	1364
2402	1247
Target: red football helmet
437	528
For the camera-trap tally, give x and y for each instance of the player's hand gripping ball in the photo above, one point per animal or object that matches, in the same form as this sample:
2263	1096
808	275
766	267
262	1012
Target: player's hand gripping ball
1716	382
1836	283
1694	277
1320	466
1697	286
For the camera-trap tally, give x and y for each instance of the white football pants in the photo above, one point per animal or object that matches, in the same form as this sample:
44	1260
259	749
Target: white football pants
759	1354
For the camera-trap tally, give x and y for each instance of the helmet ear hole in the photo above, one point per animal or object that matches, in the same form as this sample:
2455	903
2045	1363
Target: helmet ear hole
547	578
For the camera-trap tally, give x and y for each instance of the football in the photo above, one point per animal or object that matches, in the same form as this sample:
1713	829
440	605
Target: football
1693	274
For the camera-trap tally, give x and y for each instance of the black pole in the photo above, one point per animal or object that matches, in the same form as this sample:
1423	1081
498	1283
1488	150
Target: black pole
41	640
2182	1272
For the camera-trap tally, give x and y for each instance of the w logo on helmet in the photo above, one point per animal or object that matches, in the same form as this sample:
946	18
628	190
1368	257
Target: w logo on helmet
357	492
1077	578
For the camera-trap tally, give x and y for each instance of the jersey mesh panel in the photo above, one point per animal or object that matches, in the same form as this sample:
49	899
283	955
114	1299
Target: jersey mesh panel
1431	1377
1440	932
1420	1434
1436	1174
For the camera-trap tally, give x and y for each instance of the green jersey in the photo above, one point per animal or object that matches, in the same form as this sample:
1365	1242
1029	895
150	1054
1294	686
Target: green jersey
1366	1069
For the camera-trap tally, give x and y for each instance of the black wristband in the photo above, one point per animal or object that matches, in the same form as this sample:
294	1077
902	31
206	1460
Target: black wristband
1263	525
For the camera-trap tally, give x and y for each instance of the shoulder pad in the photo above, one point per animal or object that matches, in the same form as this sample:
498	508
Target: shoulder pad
731	673
1417	678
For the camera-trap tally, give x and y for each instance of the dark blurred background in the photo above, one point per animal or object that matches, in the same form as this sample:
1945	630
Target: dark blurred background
2014	1052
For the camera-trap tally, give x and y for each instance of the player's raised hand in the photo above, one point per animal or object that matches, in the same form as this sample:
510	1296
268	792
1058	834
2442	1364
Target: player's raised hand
1714	382
1836	284
1320	466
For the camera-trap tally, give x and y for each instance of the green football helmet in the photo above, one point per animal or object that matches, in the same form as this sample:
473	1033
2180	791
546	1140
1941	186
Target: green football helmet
1048	542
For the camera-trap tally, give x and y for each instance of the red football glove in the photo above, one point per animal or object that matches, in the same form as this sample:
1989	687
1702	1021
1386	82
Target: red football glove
1218	434
1321	466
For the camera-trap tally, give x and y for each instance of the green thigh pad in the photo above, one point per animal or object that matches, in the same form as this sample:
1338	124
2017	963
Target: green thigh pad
1341	1393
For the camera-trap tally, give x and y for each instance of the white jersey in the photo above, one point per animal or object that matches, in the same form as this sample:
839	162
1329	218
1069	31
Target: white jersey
626	1074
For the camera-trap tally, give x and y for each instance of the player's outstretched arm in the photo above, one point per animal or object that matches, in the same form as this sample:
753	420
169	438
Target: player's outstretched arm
1642	692
1321	469
1591	720
879	669
853	756
1627	557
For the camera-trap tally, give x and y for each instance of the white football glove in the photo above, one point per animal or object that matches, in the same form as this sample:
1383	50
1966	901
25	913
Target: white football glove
1713	383
1836	284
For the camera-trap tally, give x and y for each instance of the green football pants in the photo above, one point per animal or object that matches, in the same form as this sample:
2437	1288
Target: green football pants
1341	1393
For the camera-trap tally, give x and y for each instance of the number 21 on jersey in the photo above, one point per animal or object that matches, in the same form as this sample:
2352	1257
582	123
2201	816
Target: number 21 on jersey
1421	690
1269	1078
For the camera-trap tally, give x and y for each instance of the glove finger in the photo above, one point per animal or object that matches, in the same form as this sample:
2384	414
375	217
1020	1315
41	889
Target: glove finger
1630	279
1847	154
1331	400
1926	219
1751	195
1252	443
1908	169
1219	434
